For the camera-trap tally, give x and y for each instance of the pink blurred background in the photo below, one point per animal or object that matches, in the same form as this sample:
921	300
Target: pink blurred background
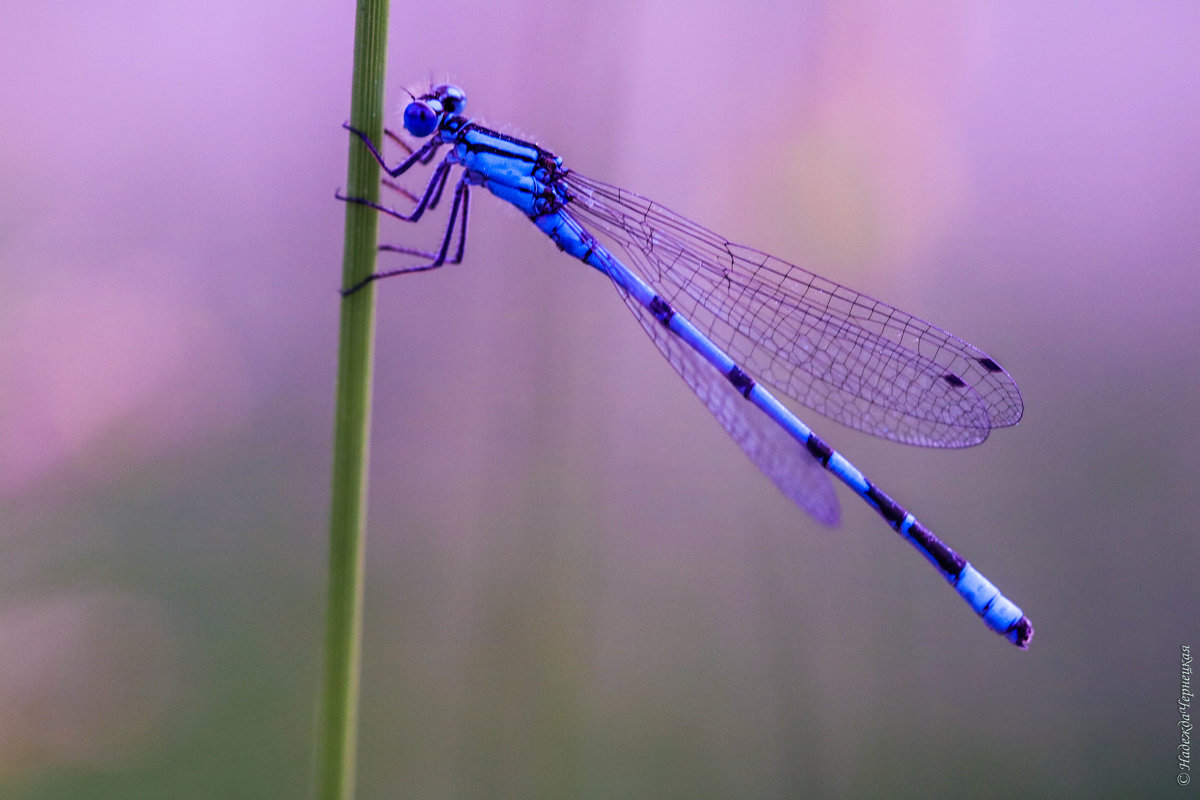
576	585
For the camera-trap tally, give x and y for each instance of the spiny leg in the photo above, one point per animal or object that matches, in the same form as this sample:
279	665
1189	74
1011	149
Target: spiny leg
398	189
441	257
433	192
425	159
395	187
437	195
422	155
462	200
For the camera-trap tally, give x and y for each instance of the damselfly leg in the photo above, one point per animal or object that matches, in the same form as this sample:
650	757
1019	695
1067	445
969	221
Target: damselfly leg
428	201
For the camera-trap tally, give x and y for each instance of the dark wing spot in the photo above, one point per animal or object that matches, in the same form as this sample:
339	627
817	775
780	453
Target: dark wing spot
954	380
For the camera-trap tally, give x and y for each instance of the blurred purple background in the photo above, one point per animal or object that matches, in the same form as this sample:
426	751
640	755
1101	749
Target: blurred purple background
576	585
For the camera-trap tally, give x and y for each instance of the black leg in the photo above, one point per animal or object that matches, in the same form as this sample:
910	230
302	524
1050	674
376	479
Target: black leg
433	191
462	239
389	133
462	200
423	155
425	159
437	195
395	187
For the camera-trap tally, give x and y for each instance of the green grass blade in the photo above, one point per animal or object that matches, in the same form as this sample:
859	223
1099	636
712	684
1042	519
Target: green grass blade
343	632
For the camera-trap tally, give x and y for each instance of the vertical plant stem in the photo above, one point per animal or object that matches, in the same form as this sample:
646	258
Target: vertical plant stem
343	624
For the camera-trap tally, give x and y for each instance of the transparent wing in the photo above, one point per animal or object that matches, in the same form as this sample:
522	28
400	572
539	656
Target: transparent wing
778	455
856	360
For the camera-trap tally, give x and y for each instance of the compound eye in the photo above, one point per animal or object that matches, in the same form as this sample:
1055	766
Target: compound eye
421	117
454	99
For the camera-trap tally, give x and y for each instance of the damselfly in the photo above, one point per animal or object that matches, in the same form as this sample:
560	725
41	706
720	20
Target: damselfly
725	316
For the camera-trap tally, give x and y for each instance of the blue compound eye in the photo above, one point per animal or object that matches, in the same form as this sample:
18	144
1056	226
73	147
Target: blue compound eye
421	117
454	99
